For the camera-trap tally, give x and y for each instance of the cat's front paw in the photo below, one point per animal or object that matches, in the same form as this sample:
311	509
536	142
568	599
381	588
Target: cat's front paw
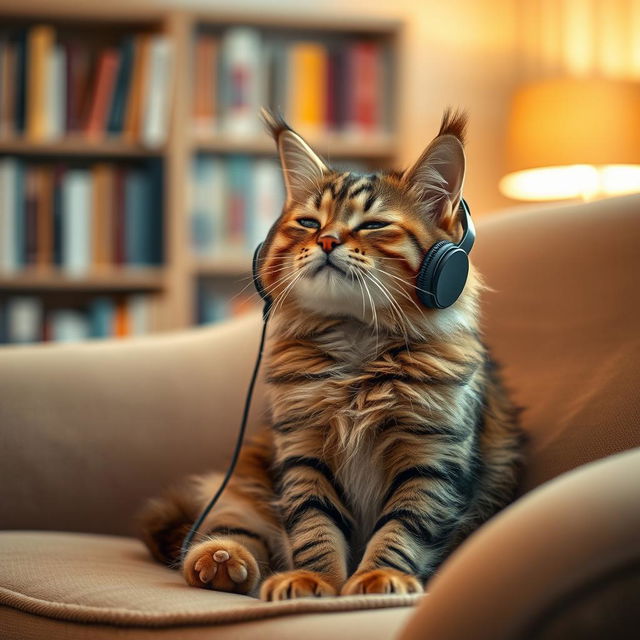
221	564
296	584
381	581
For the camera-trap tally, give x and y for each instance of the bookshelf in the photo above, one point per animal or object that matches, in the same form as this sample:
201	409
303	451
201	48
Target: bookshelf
175	284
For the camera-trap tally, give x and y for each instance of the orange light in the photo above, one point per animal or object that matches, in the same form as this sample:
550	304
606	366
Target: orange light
573	138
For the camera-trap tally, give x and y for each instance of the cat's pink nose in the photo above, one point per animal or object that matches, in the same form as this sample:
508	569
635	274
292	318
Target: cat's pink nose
328	242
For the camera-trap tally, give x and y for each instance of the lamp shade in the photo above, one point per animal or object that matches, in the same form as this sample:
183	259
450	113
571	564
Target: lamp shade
571	137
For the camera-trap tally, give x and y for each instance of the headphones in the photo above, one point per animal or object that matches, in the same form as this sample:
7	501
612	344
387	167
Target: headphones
442	275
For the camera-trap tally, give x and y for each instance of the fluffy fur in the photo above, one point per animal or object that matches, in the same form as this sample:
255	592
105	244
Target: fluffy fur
390	436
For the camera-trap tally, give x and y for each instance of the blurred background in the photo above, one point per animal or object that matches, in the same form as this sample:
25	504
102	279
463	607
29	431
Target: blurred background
136	179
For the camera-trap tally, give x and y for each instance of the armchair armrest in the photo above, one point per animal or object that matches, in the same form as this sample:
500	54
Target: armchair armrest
88	431
562	562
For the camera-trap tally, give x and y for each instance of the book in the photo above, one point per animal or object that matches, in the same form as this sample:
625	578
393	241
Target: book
364	79
8	83
101	317
118	230
121	88
44	216
58	182
20	106
56	93
138	313
76	222
30	215
159	86
209	205
23	319
8	209
267	200
68	325
121	320
205	81
241	83
337	88
239	198
102	206
307	96
78	86
133	117
137	220
40	42
103	89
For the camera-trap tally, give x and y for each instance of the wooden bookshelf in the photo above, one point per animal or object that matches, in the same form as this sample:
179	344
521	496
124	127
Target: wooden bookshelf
125	279
173	284
382	148
77	146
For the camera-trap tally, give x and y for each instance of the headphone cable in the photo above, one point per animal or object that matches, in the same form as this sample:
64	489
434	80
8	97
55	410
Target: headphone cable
186	543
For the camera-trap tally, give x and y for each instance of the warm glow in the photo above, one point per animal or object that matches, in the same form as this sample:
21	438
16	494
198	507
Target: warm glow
574	181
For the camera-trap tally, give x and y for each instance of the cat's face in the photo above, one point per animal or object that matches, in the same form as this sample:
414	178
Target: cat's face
351	244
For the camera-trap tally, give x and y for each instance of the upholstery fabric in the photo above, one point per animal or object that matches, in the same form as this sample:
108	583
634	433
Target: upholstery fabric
112	581
562	319
521	567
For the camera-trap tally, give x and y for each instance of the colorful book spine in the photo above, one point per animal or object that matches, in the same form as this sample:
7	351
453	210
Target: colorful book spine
159	86
56	96
101	317
103	89
121	89
267	201
205	82
69	325
23	319
103	205
138	239
238	168
76	222
307	98
8	210
40	43
241	83
133	117
365	66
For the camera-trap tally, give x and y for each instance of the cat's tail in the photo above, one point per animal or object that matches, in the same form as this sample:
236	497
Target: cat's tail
163	522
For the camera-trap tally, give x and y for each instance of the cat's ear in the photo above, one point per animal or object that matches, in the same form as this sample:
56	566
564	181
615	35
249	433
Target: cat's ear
302	168
438	175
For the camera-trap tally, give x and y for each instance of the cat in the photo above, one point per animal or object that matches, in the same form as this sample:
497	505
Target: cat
390	436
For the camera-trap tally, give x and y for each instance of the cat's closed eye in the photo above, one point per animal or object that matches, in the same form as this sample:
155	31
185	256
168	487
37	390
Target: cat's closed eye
309	223
372	224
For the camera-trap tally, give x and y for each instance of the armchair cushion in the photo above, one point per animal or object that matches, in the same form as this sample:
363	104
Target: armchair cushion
107	581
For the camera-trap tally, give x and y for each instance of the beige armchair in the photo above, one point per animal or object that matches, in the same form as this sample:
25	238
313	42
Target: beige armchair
87	432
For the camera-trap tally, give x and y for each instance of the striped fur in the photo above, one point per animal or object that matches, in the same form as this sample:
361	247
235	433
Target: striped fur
390	436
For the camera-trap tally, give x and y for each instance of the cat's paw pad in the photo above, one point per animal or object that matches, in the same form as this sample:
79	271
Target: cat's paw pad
223	565
381	581
296	584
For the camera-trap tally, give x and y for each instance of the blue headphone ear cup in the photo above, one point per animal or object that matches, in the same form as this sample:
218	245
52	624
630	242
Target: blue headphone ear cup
256	278
442	275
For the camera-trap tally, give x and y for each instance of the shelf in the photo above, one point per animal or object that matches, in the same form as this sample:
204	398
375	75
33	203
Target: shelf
125	279
77	146
329	146
222	267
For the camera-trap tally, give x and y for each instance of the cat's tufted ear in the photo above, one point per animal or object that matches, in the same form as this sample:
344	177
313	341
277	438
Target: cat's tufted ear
303	169
438	175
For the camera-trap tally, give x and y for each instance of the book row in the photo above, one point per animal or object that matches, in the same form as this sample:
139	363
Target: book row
25	319
51	87
79	219
234	201
341	85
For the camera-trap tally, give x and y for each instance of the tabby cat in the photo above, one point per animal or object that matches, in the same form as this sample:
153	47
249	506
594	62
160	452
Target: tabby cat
390	437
